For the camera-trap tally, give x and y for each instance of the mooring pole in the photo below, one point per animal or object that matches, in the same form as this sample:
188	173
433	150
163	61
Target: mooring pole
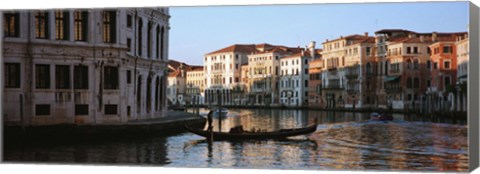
219	111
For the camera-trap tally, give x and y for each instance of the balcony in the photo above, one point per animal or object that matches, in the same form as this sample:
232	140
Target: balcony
394	71
332	68
332	87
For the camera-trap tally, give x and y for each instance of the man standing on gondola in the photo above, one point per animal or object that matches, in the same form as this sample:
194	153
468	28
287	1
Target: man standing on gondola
209	121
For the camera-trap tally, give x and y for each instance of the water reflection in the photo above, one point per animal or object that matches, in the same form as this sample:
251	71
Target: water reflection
344	141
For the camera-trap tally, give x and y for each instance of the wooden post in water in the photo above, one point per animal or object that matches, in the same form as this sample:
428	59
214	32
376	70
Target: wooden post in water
219	102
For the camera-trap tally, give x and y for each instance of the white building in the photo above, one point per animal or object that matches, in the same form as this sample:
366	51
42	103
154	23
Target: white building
293	90
176	87
86	66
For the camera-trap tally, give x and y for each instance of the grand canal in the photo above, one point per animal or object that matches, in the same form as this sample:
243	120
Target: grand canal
343	141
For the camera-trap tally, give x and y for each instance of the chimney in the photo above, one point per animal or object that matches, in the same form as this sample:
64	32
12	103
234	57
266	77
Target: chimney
434	36
366	34
422	39
311	47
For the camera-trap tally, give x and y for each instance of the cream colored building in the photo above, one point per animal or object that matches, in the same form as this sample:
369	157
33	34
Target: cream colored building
195	85
334	78
264	71
223	72
359	68
84	66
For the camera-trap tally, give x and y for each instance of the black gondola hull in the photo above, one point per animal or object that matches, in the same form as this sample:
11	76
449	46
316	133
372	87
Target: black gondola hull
282	134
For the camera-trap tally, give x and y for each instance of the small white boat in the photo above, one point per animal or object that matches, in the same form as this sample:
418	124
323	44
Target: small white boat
222	111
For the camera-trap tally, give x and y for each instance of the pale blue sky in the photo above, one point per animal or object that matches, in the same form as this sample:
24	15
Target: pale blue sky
196	31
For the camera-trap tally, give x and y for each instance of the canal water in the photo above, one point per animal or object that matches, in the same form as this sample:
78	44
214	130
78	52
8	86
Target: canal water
343	141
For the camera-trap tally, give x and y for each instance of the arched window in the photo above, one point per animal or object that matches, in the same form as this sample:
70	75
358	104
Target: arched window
149	40
409	64
149	94
139	93
140	33
415	64
369	68
157	43
162	35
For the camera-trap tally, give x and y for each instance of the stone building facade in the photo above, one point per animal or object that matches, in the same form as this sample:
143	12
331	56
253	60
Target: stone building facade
222	70
334	73
315	99
84	66
462	72
195	85
294	77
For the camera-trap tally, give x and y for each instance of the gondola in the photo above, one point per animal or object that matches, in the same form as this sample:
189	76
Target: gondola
281	134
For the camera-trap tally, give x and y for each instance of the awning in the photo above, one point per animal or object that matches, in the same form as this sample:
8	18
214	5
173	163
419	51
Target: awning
463	76
390	78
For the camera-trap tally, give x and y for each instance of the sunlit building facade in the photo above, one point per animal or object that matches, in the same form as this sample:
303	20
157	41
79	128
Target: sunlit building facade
84	66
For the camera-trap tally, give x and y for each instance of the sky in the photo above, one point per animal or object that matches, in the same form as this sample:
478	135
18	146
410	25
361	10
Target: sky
196	31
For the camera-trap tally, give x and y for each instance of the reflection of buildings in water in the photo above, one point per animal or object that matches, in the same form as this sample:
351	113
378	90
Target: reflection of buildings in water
440	144
153	151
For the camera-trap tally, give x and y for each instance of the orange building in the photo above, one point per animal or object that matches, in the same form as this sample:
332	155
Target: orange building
315	84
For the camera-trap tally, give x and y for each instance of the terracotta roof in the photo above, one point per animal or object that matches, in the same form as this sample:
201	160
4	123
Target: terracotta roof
174	74
195	68
303	54
428	38
350	37
235	48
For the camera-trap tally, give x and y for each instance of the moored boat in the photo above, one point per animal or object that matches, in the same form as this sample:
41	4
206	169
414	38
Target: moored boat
380	117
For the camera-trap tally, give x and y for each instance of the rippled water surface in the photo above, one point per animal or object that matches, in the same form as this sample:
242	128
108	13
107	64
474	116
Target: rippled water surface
343	141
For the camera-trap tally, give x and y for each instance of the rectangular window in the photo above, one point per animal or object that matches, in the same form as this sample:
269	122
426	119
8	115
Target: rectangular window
368	51
409	50
129	76
42	109
110	77
429	64
447	81
428	83
41	25
129	21
61	25
12	75
111	109
446	64
447	49
11	24
109	26
80	21
129	111
306	83
42	76
415	50
80	77
435	65
62	77
129	44
81	109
